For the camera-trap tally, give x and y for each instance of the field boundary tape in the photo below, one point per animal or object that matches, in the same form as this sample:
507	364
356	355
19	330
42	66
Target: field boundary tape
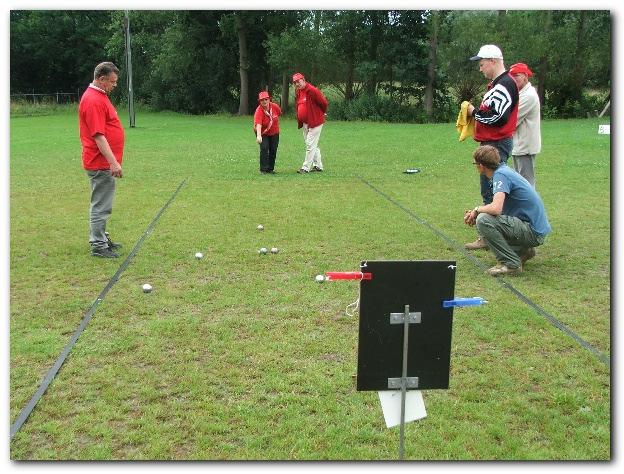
51	374
538	309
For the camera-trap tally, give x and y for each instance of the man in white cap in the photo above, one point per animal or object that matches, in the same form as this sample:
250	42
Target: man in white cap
496	117
527	140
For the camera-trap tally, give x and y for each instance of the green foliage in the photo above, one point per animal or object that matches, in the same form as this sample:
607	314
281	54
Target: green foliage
375	109
56	51
188	61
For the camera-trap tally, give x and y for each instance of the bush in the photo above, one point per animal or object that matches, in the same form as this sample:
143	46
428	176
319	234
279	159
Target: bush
591	103
376	109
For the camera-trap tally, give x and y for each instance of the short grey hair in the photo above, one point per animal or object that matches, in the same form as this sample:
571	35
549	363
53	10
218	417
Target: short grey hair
104	69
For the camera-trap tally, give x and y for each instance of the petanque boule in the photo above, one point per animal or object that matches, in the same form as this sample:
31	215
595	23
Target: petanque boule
263	251
274	250
320	278
199	255
147	288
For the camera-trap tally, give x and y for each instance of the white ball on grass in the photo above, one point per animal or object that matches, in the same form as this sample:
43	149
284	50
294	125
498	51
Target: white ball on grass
320	278
147	288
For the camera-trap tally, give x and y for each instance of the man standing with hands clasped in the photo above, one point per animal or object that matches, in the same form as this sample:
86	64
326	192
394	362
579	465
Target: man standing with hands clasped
515	222
311	106
102	137
527	140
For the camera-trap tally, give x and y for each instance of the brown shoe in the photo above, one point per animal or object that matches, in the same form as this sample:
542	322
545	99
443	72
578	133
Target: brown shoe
502	269
480	243
528	255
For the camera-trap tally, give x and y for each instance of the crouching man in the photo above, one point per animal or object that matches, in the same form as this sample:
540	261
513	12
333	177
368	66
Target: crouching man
515	222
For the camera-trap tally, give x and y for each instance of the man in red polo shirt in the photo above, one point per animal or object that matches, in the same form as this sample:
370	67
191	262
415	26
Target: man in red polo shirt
311	106
102	138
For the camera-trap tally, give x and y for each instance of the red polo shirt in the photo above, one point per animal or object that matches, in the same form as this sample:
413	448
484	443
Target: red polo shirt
96	115
268	120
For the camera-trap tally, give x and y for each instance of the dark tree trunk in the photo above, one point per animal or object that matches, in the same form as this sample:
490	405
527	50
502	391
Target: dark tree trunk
241	29
285	92
431	68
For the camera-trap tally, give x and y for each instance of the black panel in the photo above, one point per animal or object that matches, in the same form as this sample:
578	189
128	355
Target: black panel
422	285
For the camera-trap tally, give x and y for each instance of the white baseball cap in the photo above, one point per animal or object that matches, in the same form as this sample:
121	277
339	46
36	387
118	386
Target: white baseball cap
488	51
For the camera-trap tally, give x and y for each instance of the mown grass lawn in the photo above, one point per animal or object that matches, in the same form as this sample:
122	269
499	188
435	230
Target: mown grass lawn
244	357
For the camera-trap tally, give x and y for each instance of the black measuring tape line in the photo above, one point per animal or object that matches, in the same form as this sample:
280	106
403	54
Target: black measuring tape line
26	411
542	312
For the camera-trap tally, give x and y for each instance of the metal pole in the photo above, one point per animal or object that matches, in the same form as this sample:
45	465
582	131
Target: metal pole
404	382
129	69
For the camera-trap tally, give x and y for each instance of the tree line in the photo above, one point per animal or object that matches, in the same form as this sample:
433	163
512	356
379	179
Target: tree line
403	65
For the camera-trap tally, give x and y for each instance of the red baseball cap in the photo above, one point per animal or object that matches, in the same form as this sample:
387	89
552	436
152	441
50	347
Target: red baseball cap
263	95
297	76
520	68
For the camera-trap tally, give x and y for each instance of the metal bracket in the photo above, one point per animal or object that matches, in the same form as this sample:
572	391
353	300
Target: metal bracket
395	382
399	318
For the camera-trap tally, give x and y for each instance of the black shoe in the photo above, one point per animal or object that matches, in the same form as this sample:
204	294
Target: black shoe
302	171
112	245
272	172
316	168
103	253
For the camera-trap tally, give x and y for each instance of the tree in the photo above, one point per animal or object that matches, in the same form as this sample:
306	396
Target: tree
56	50
243	61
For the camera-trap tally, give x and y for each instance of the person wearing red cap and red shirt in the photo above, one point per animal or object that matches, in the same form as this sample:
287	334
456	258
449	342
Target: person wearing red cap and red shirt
527	140
495	118
311	106
102	138
266	126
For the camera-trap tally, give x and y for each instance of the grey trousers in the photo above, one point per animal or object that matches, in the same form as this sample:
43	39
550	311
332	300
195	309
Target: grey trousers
102	194
508	237
525	165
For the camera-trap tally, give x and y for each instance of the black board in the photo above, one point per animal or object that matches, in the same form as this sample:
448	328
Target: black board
423	285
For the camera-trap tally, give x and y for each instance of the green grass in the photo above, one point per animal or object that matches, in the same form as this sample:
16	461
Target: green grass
244	357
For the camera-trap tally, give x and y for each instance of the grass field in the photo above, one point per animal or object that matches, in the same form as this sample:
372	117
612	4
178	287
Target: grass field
244	357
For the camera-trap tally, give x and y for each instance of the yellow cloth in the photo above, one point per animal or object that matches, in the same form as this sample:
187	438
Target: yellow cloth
465	125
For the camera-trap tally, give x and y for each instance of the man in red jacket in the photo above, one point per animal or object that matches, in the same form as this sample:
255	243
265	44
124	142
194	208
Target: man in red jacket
102	138
496	118
311	106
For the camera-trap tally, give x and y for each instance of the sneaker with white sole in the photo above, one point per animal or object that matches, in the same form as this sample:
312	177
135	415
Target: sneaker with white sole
302	171
502	269
480	243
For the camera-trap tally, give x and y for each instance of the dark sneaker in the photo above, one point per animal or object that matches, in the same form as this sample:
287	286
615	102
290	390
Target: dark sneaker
302	171
103	253
316	168
112	245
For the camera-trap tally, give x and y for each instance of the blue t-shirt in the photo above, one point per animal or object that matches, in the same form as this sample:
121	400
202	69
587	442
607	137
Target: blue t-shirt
522	201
